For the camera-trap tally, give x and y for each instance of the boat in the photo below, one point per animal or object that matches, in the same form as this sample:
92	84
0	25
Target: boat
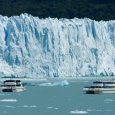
12	86
100	87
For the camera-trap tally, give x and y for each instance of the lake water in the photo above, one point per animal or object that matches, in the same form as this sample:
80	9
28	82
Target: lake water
57	100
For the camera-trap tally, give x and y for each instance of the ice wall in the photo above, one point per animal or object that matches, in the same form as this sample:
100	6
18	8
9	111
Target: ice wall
52	47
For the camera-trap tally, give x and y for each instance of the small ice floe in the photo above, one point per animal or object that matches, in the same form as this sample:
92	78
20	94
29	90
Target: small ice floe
8	106
108	100
60	83
49	107
98	110
78	112
29	106
90	110
56	108
8	100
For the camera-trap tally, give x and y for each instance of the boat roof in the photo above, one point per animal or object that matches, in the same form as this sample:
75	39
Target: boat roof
12	81
106	82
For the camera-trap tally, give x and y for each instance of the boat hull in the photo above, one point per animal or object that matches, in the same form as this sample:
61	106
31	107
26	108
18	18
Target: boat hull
92	92
12	89
99	90
100	87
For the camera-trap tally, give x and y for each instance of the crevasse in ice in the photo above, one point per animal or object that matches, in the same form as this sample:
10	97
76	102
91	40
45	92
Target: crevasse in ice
53	47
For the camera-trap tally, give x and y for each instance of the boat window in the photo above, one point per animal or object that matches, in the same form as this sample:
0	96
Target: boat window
18	84
8	85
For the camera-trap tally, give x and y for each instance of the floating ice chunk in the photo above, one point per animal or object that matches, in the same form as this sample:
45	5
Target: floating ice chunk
60	83
108	100
8	106
33	106
78	112
50	107
90	110
29	106
25	106
56	108
99	110
8	100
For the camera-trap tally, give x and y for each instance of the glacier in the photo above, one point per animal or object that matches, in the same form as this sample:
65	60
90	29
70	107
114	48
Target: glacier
51	47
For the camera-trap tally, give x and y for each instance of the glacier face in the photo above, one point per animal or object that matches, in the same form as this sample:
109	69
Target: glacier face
52	47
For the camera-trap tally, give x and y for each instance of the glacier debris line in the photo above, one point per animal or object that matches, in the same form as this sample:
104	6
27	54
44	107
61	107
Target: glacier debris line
53	47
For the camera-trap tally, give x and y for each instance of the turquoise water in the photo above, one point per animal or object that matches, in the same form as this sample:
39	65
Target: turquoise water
56	100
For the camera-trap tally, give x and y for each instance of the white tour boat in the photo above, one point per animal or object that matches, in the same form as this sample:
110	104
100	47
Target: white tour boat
100	87
12	86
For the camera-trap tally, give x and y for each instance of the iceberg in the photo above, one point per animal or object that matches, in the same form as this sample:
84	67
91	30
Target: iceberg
59	83
51	47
